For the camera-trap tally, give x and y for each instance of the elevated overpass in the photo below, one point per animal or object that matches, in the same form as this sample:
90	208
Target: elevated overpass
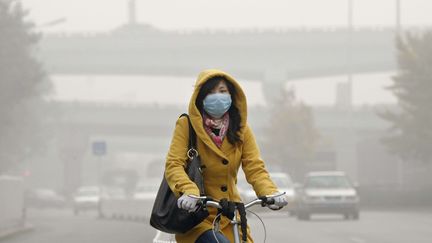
266	55
139	136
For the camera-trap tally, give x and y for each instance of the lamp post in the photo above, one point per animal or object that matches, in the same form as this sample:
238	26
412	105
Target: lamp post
398	32
398	18
132	12
349	51
344	89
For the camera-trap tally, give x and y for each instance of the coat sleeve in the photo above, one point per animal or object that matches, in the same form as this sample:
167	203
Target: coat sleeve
254	168
177	159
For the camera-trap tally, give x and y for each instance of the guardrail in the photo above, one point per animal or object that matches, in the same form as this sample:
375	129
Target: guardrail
126	208
132	209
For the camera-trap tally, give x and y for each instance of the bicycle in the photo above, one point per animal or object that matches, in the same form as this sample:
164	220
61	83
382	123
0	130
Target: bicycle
162	237
263	201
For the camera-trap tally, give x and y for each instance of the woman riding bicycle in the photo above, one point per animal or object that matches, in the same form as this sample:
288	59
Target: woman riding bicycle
218	113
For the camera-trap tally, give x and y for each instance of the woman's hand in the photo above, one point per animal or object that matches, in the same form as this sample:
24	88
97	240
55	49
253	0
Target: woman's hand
279	201
187	203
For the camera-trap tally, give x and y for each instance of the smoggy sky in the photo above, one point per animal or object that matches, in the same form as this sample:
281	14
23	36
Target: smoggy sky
104	15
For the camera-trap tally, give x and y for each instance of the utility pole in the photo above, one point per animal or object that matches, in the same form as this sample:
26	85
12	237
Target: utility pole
398	18
132	12
349	51
344	89
398	35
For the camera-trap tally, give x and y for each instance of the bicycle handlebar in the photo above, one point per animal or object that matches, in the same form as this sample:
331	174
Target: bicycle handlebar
263	200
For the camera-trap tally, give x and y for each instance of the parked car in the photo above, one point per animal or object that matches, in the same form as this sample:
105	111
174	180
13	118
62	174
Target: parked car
86	198
44	198
327	192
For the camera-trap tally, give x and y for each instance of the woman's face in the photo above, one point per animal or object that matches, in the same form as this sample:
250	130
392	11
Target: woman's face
221	87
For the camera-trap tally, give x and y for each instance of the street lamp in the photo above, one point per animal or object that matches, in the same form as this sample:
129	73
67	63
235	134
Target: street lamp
53	22
349	51
398	18
344	89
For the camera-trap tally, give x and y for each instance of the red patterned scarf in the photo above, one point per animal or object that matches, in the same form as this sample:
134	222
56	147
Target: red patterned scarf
211	124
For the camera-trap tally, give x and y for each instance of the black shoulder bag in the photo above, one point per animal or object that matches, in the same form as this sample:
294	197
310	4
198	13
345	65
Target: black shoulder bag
166	216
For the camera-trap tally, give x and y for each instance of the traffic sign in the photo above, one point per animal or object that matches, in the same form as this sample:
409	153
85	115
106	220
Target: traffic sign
99	148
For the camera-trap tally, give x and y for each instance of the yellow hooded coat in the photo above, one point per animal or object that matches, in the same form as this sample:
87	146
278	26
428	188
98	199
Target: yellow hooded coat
221	164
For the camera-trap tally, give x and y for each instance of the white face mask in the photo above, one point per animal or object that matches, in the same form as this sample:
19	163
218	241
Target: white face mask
217	104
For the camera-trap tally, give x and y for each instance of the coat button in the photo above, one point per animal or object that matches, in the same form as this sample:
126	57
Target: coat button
225	162
224	188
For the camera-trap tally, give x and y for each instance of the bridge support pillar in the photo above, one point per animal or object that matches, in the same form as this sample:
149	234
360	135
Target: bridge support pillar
72	146
273	83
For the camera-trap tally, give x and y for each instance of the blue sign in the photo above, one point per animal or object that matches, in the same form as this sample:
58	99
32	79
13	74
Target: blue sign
99	148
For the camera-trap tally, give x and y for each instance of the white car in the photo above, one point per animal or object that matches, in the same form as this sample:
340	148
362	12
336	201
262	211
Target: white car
86	198
146	191
327	192
245	190
285	184
145	195
44	198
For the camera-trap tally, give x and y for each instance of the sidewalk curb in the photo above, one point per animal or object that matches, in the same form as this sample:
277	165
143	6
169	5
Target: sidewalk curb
14	231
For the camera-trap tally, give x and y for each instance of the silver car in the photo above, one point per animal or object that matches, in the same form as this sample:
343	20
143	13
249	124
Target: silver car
86	198
282	180
285	184
327	192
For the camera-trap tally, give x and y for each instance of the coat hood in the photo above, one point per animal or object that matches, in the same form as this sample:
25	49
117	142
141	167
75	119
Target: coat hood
195	115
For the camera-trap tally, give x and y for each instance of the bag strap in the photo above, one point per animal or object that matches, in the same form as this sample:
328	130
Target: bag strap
243	220
228	209
192	134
